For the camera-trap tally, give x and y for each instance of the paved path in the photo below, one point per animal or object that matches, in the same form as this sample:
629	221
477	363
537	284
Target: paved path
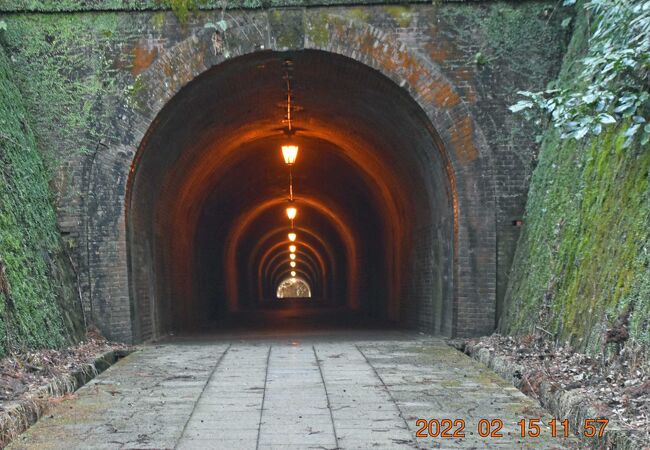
355	391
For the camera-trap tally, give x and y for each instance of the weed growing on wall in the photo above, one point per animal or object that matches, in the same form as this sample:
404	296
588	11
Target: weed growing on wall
38	307
612	85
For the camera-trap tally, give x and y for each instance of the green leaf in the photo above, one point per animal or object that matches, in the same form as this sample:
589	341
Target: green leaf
589	98
520	106
606	118
223	25
608	86
622	108
582	132
632	130
645	138
3	25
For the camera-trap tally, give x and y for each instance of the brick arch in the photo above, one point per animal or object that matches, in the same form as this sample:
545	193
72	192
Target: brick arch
466	155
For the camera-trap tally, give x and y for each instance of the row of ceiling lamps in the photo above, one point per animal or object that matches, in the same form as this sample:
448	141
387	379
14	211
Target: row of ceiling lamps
290	153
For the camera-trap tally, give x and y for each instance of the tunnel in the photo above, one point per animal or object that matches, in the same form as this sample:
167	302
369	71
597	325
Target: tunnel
206	228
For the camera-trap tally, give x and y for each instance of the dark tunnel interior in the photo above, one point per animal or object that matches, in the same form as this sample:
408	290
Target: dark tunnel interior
206	219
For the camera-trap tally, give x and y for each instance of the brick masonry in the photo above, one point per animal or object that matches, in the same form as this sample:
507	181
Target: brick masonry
431	51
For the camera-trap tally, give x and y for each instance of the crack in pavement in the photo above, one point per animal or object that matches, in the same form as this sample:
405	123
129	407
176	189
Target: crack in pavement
327	397
390	395
266	379
205	385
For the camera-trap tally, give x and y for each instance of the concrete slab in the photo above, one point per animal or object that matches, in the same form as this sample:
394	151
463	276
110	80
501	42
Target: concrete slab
344	392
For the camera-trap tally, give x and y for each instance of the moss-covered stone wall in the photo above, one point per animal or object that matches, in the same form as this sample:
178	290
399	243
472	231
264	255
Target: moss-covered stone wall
583	259
39	304
181	7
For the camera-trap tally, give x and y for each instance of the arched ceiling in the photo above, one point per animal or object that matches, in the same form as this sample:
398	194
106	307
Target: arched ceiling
211	185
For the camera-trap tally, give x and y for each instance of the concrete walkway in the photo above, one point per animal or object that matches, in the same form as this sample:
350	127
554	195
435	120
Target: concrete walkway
342	391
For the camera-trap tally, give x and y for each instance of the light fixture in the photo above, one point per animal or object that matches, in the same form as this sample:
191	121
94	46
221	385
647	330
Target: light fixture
293	273
292	248
290	153
292	237
292	257
292	264
292	211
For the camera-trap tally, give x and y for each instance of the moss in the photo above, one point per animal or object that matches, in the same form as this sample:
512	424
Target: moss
488	378
359	14
514	34
287	26
450	383
136	94
53	69
400	14
583	256
158	20
181	5
38	307
182	8
318	31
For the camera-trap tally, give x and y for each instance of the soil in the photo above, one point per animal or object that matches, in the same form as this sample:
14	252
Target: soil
619	384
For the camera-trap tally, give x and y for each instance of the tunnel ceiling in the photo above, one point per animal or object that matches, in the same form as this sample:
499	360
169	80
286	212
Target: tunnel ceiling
207	227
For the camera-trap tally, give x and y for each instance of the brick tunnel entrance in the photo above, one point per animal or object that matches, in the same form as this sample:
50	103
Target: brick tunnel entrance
207	232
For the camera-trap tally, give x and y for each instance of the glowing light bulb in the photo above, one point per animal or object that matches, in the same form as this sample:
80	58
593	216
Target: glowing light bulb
293	273
292	256
292	237
292	211
292	248
292	264
290	153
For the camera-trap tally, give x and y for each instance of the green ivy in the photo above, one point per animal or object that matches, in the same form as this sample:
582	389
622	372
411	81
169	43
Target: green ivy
612	85
38	306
